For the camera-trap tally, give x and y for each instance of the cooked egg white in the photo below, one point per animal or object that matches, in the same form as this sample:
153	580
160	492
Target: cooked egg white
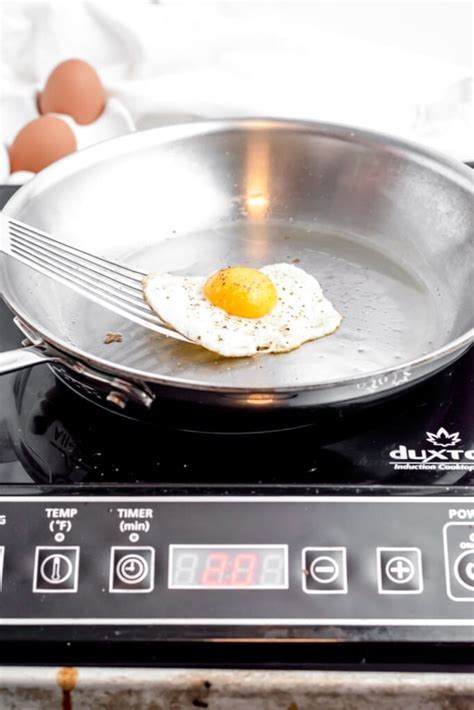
301	312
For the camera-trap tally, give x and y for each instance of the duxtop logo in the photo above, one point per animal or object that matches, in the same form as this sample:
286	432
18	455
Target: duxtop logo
445	457
443	438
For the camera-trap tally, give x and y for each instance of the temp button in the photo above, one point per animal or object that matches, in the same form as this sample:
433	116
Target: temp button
56	570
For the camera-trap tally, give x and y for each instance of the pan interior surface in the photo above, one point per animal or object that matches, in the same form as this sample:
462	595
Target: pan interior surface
354	216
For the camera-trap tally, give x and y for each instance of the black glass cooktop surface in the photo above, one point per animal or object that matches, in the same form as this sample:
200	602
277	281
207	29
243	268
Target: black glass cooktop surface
50	434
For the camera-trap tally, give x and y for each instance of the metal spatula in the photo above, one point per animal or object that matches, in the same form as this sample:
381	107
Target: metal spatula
110	284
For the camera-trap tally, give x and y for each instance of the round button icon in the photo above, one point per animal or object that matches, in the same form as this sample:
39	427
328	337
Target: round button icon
132	569
464	569
56	569
324	569
400	570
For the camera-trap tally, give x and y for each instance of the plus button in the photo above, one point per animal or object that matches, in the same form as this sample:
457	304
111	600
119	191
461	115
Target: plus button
399	570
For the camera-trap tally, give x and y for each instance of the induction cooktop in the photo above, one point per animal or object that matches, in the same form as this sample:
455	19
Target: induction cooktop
345	542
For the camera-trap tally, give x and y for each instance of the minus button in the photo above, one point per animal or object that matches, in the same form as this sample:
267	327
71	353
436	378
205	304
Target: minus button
324	570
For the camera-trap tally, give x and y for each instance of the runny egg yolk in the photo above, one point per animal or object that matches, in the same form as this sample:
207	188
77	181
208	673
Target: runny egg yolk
241	291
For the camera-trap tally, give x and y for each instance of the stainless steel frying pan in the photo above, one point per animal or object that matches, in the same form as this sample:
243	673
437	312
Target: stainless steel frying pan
386	226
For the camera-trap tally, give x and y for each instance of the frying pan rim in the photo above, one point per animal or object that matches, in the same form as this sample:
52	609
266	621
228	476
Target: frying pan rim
172	133
168	134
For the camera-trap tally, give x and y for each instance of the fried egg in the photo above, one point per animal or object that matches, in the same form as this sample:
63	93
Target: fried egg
239	311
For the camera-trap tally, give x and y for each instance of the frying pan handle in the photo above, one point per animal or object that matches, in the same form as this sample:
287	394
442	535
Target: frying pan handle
14	360
120	390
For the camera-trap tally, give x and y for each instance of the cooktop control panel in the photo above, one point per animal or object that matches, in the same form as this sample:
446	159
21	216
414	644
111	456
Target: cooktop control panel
209	561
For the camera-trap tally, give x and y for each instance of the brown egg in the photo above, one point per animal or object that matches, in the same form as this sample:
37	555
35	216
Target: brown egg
73	88
40	143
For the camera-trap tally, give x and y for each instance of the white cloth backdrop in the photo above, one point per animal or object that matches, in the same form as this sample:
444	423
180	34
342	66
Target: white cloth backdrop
175	61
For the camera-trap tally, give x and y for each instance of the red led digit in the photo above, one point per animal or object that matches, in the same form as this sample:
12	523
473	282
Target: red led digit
215	569
243	569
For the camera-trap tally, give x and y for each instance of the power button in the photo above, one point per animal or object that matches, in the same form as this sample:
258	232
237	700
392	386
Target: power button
464	569
459	561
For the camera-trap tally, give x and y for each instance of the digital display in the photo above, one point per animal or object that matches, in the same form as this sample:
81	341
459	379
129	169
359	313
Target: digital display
228	567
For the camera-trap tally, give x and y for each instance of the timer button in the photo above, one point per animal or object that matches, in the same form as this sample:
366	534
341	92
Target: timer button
324	570
132	570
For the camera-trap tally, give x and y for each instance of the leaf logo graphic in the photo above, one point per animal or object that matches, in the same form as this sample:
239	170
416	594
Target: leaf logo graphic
443	438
